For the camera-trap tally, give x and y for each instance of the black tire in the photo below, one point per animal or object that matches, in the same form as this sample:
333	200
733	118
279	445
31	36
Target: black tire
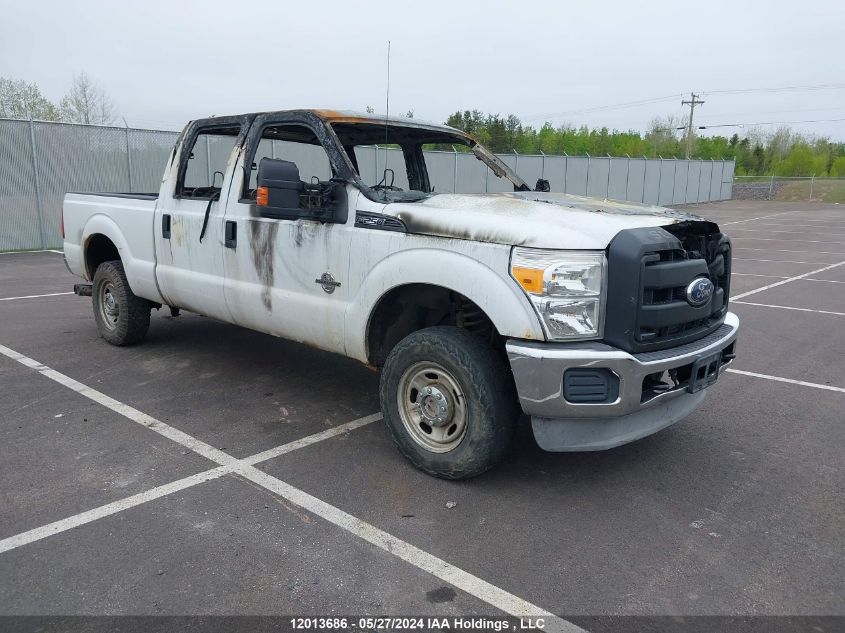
124	319
484	383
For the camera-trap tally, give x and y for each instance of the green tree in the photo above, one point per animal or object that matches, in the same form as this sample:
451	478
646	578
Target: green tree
837	167
23	100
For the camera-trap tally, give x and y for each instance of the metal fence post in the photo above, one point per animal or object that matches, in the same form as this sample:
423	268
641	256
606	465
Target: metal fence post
565	170
771	185
543	165
627	174
659	178
812	182
674	177
722	181
607	186
587	184
700	174
645	171
487	180
128	156
455	175
38	206
516	162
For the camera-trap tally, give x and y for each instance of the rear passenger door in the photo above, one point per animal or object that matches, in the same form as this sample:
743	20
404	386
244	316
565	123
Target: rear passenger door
189	225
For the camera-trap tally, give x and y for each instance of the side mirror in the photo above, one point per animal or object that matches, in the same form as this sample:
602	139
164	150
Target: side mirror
281	194
279	187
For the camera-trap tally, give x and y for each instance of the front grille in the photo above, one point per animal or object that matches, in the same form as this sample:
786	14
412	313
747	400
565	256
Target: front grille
649	271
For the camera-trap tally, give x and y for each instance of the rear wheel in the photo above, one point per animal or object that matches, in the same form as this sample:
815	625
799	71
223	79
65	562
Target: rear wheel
121	317
448	400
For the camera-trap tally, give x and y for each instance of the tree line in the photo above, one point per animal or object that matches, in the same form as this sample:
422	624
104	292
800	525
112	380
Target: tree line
757	153
783	152
84	102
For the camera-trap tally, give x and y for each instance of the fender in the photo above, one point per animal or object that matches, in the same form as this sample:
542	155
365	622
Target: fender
139	273
500	297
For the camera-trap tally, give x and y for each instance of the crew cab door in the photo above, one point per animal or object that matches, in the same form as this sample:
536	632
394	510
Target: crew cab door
189	227
287	273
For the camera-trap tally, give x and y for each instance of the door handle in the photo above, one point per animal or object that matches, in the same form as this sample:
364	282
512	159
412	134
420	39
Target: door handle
231	234
165	226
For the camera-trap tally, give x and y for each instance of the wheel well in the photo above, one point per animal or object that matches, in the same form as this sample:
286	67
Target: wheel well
99	249
413	307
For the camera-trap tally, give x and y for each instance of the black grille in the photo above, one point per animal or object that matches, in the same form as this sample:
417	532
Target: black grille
649	271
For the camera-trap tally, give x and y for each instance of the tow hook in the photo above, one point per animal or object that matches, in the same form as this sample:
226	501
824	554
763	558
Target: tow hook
83	290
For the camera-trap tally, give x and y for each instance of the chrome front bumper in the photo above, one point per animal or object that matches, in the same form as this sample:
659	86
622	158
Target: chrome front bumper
538	370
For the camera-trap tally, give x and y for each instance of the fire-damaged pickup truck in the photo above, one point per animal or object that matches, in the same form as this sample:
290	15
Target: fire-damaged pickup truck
603	321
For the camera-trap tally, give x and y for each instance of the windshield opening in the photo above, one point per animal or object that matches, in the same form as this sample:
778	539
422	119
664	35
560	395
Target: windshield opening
406	162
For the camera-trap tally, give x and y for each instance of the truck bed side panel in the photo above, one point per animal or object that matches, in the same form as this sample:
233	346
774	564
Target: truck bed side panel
127	222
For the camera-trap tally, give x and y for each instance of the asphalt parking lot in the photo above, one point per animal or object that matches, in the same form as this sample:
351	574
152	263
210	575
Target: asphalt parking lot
172	477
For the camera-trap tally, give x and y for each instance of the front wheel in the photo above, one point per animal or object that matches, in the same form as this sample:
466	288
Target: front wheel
448	400
122	318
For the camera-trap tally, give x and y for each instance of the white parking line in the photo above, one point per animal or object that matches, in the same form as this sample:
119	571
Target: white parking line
311	439
783	250
814	385
786	239
770	305
785	281
114	507
51	294
473	585
762	217
756	229
57	527
818	224
775	261
756	275
829	281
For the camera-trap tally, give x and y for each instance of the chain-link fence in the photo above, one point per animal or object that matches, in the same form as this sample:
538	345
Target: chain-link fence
41	161
789	188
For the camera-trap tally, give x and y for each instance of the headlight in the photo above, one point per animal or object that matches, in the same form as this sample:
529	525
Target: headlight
567	289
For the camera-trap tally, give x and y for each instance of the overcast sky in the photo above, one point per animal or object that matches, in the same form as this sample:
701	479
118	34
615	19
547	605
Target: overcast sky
166	62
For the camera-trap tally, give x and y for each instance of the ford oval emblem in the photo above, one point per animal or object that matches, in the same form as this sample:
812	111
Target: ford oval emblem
699	291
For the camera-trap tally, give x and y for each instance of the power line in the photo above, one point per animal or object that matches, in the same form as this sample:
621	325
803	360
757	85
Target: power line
792	111
641	102
779	89
705	127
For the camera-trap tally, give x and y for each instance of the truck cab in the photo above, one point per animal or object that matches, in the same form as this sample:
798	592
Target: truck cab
602	321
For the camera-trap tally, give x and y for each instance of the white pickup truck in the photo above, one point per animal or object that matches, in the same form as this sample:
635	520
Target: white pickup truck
603	321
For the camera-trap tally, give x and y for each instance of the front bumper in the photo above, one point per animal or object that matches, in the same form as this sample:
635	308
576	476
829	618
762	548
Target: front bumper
638	409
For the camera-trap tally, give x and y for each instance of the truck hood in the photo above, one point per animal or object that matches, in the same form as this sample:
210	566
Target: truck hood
541	220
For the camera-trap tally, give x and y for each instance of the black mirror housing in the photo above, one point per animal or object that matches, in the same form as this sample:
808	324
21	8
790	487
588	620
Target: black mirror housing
279	187
281	194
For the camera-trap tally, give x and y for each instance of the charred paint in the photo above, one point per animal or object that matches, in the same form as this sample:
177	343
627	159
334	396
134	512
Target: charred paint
262	246
542	220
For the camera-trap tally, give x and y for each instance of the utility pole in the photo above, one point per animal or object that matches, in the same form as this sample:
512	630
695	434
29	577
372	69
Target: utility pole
694	101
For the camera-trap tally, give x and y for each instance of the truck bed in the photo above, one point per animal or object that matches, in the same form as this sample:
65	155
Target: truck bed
127	220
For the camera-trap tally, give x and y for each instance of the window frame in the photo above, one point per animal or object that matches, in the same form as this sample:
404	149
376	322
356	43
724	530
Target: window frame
255	139
196	129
